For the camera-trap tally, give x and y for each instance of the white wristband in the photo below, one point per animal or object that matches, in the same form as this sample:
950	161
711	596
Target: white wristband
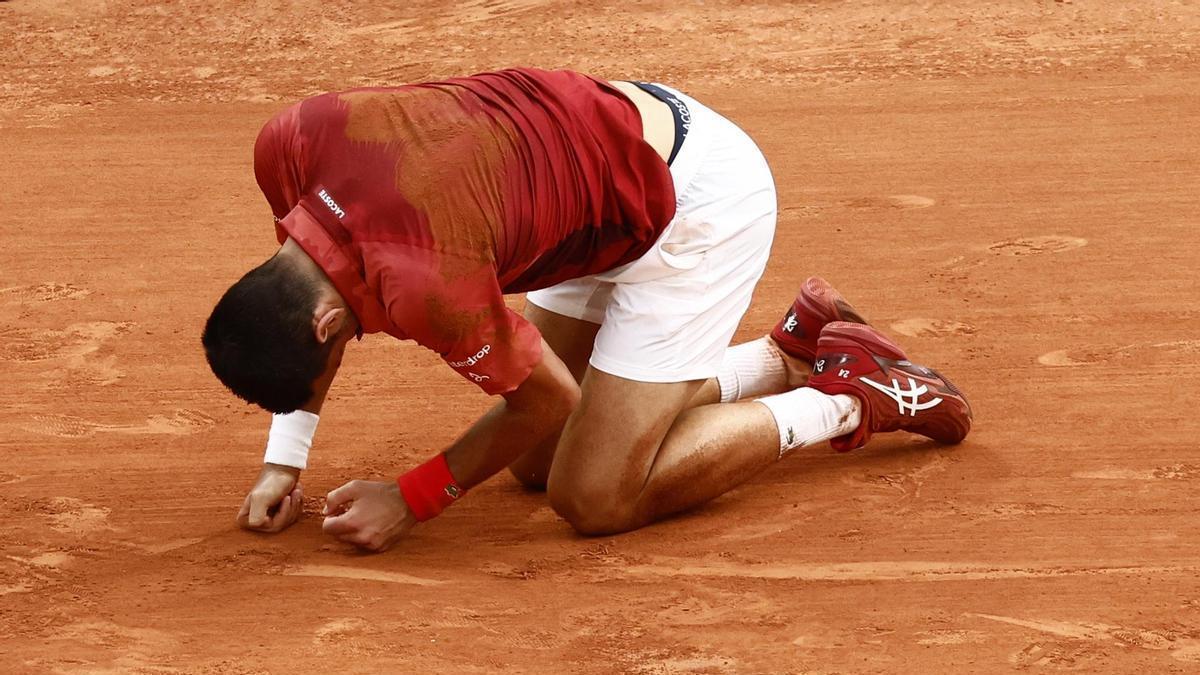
290	439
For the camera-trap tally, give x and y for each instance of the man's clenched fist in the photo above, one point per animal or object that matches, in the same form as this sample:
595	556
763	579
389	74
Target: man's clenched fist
275	500
369	514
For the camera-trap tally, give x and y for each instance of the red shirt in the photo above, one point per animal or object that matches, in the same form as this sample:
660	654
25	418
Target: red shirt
425	204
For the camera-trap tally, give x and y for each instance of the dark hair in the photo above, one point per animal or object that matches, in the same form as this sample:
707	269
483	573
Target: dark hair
259	339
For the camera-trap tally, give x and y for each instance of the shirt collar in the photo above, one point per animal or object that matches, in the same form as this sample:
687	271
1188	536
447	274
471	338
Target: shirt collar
340	265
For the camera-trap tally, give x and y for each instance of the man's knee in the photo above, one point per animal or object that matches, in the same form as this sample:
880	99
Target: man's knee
601	464
591	508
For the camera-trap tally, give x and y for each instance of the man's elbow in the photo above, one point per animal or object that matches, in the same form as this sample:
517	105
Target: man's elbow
565	400
550	399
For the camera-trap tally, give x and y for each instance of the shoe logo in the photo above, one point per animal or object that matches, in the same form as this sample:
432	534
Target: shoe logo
907	399
837	360
790	323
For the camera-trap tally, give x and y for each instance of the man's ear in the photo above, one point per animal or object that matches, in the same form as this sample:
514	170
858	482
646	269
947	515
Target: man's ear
328	322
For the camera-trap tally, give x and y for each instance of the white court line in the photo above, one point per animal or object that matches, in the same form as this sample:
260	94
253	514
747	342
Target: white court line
344	572
884	570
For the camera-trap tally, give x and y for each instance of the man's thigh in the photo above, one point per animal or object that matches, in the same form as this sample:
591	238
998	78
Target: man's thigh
572	340
609	443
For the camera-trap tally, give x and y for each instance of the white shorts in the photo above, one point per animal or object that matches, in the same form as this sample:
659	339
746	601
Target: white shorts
669	315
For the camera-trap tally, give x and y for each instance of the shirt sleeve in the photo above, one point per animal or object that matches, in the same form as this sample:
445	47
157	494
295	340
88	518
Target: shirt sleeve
454	306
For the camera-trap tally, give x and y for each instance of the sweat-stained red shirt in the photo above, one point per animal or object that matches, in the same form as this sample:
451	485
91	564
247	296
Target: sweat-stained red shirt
424	204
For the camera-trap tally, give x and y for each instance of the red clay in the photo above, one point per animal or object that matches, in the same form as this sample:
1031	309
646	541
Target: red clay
1010	193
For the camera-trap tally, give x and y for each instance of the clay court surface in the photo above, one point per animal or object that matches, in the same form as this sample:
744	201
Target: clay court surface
1009	190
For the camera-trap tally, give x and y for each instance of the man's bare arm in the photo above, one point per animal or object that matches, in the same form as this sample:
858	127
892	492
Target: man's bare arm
276	500
528	416
374	515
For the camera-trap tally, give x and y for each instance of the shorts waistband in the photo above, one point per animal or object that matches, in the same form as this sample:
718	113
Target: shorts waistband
679	111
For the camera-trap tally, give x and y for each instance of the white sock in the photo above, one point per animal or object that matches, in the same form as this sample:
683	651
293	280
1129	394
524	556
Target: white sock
751	369
805	416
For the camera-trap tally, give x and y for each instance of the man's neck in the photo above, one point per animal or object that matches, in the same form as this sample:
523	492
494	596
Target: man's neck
295	255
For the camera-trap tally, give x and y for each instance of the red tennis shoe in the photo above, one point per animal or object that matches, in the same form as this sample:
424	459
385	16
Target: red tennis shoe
896	393
816	305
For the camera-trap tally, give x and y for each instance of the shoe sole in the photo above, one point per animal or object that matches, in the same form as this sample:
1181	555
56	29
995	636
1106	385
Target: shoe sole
822	299
862	336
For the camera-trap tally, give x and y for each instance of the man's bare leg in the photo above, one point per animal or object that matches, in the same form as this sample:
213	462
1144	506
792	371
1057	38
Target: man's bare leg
635	452
573	339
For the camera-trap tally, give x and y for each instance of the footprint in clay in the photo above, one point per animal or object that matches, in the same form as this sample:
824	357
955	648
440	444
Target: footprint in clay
182	422
932	328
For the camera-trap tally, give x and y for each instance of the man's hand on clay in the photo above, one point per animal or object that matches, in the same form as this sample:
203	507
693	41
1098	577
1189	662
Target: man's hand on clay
369	514
274	502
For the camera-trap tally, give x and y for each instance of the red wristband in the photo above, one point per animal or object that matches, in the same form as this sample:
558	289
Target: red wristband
429	488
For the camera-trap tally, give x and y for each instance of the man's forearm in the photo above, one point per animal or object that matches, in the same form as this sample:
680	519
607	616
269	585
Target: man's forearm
533	414
321	387
498	439
291	435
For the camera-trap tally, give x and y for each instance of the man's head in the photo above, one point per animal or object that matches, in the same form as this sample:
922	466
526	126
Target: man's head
274	332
